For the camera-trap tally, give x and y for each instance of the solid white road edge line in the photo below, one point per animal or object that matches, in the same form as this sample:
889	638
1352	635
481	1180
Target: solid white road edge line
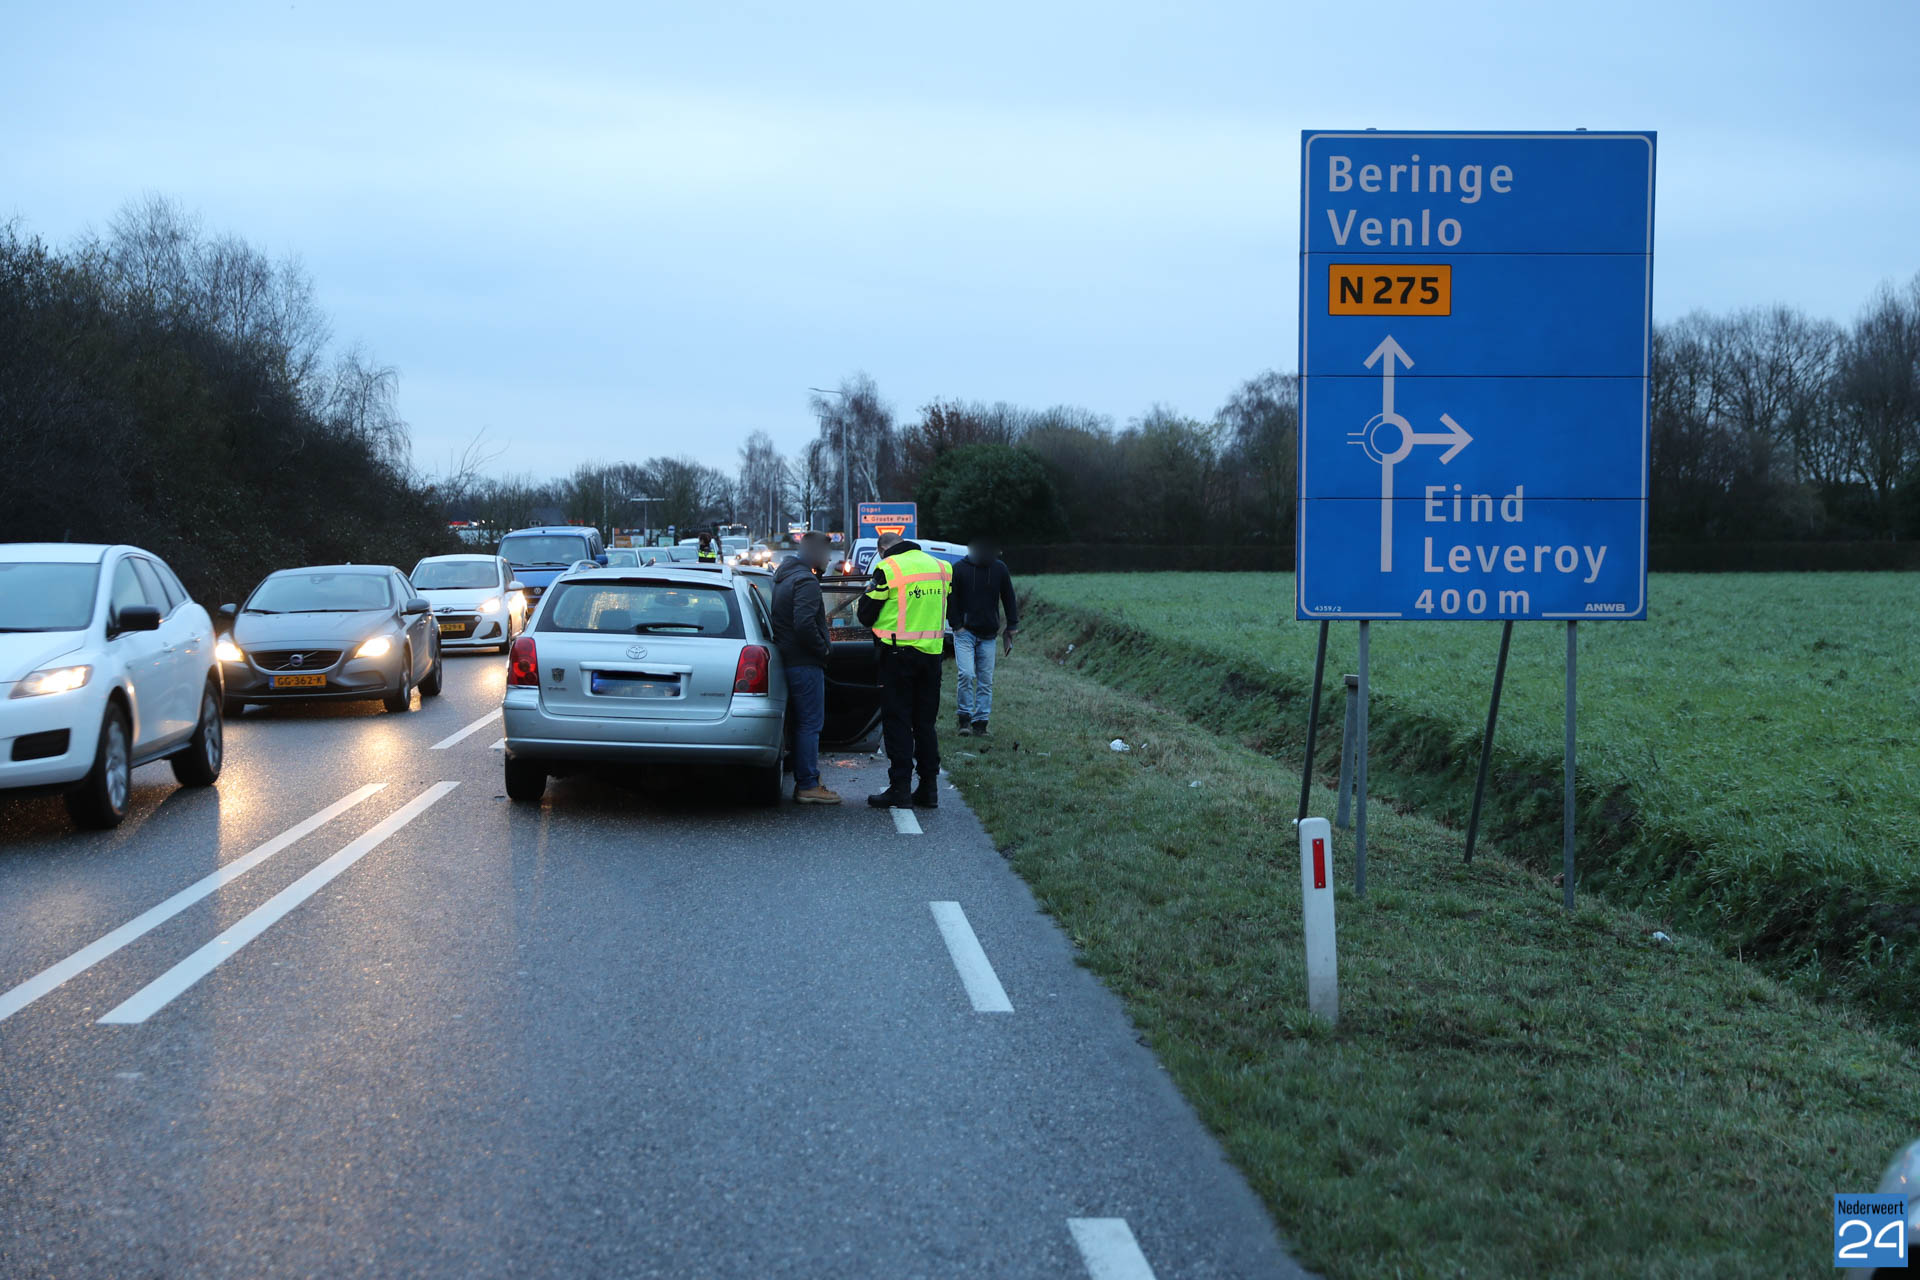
976	974
153	997
906	823
473	728
1108	1248
93	953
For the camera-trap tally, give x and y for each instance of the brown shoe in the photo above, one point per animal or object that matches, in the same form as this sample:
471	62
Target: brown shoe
816	795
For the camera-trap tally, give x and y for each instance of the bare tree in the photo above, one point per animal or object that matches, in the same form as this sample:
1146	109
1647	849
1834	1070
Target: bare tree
763	482
857	423
361	403
1879	393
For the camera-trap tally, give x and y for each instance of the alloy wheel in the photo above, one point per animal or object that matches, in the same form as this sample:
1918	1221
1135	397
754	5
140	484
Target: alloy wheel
119	775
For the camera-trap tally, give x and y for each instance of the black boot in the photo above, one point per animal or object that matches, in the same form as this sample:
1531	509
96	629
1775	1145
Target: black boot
965	725
980	729
892	798
927	795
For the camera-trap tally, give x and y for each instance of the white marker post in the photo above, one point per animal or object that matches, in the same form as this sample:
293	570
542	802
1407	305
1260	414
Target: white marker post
1316	897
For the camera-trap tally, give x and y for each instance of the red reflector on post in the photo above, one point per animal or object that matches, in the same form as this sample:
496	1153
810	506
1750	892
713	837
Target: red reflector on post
1319	864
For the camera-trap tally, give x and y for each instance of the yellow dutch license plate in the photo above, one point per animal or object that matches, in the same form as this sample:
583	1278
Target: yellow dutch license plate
453	628
299	682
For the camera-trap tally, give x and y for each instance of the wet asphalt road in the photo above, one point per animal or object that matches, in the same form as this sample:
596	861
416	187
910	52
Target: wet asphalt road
639	1031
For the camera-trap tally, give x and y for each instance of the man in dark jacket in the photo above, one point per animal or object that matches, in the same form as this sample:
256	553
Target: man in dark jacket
981	588
800	633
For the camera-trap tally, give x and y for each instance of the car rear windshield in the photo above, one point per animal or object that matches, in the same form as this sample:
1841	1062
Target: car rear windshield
644	608
47	597
455	575
623	558
548	550
321	593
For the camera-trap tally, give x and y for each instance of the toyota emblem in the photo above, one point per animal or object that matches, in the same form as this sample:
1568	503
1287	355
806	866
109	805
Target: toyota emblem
636	651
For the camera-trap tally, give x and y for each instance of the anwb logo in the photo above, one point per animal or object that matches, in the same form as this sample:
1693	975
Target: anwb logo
1869	1231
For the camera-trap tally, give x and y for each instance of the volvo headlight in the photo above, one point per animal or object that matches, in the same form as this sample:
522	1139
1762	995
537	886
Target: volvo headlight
378	647
52	680
227	651
490	606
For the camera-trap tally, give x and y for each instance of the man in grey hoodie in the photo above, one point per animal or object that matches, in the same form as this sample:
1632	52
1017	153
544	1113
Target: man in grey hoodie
800	633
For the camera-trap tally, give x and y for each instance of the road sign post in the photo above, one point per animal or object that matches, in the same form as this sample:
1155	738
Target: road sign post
1486	743
1475	325
1313	720
1360	772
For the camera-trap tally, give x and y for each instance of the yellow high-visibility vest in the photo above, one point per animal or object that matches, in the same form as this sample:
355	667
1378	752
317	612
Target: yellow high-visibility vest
708	556
913	603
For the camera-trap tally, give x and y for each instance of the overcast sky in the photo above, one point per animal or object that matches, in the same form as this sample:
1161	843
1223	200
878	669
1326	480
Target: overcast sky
604	231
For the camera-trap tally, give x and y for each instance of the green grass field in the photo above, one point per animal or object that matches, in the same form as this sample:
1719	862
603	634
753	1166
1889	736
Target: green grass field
1511	1090
1750	757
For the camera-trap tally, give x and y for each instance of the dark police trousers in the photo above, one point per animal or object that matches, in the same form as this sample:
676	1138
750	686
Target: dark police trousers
909	712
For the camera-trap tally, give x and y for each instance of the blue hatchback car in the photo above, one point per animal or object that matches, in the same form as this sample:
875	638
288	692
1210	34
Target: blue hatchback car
541	554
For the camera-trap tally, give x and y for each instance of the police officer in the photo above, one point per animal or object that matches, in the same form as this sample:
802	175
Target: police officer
906	605
707	554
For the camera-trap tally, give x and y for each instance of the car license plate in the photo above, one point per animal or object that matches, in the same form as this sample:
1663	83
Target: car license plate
298	682
616	686
453	628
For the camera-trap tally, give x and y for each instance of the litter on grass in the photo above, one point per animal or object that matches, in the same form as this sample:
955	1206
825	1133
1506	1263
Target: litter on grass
1118	745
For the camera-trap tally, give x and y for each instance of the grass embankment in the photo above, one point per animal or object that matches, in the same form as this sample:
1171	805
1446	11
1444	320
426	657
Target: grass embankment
1511	1091
1749	758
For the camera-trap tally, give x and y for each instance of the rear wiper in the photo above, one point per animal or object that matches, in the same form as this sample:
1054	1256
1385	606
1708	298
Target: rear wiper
251	609
326	611
667	626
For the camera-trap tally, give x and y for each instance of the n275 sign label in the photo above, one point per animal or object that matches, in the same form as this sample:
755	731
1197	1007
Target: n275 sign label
1389	290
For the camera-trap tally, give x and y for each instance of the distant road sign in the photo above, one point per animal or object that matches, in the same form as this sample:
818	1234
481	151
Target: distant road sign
877	518
1475	311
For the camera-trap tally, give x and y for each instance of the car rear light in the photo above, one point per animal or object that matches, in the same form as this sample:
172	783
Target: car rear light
751	675
523	668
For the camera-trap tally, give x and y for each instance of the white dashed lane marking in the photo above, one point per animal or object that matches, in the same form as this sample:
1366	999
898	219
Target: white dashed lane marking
976	973
1109	1250
153	997
94	952
473	728
906	823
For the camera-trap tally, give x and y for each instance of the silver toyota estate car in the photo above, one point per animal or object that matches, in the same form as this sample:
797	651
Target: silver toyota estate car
653	665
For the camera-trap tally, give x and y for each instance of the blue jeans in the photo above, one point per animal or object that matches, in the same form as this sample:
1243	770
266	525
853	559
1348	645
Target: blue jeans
807	701
974	657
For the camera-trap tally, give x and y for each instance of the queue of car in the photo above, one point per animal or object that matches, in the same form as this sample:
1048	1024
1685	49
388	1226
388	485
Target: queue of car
616	656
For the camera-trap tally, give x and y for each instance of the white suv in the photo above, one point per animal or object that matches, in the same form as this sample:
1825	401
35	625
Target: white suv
105	664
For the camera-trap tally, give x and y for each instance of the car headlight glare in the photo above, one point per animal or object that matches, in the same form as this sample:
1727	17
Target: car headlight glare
52	680
490	606
227	651
378	647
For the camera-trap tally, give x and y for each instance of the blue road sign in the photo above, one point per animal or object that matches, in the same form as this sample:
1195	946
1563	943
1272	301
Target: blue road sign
877	518
1475	310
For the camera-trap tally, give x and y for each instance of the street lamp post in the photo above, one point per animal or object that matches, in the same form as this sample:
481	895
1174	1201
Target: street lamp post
846	501
645	511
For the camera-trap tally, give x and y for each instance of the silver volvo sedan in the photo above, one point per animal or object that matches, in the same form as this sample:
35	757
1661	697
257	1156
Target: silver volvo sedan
651	665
